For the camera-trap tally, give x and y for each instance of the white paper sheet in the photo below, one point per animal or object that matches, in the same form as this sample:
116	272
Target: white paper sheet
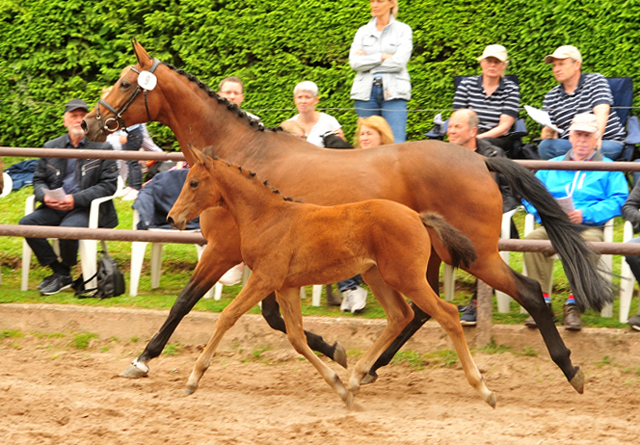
566	204
542	117
58	194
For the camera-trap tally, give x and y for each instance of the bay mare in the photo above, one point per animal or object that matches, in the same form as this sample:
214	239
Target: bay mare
427	175
288	245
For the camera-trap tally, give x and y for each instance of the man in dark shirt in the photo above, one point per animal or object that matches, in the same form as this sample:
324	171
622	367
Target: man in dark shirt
77	183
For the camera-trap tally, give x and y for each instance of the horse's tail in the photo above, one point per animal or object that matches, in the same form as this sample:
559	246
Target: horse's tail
459	246
589	287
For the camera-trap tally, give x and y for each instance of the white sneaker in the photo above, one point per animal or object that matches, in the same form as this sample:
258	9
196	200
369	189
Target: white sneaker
358	299
131	195
232	276
347	301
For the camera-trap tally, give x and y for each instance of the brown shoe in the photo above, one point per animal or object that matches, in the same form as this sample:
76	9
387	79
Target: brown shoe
531	323
571	318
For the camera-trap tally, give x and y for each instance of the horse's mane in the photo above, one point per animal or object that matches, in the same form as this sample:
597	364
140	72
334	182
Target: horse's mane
250	175
230	106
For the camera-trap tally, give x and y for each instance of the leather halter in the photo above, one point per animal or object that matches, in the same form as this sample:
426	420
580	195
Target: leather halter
115	123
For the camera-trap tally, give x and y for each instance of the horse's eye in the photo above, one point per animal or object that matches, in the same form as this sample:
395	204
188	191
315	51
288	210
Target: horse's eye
194	184
124	84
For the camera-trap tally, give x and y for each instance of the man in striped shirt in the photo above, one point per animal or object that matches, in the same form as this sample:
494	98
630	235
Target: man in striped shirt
578	93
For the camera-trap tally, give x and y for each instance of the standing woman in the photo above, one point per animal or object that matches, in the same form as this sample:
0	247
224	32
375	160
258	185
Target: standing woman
379	54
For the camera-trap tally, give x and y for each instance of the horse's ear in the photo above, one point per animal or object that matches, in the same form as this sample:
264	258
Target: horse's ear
193	155
209	151
144	59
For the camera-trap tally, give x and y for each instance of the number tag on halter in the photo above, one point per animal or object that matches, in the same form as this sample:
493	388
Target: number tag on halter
147	80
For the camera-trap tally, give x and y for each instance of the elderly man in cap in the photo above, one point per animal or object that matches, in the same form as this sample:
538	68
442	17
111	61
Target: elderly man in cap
590	198
578	93
77	183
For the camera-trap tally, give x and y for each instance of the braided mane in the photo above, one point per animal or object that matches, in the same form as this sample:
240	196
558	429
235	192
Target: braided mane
248	174
230	106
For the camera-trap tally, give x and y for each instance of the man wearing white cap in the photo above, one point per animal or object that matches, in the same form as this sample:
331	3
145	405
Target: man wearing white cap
578	93
493	97
594	198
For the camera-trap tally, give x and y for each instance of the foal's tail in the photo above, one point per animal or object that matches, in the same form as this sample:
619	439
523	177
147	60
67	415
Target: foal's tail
589	288
459	246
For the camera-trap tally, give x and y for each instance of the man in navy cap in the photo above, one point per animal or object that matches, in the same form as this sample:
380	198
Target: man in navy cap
77	183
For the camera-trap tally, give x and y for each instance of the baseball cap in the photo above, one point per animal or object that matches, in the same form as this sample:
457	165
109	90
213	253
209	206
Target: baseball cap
564	52
584	122
76	104
497	51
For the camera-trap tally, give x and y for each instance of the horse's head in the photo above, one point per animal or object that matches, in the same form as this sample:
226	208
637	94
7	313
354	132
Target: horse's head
199	191
132	100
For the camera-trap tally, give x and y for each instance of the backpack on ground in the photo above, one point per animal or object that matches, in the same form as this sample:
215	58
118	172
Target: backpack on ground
110	279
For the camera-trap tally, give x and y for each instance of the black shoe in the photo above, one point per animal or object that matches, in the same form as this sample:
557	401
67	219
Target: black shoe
468	317
58	282
634	322
46	281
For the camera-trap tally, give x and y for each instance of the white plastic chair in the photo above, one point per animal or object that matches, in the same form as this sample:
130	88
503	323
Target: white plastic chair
137	257
503	299
316	292
627	279
88	248
605	260
8	185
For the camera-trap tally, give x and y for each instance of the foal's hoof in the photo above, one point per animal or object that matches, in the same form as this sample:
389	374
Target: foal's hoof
135	370
369	378
190	390
578	380
339	355
492	400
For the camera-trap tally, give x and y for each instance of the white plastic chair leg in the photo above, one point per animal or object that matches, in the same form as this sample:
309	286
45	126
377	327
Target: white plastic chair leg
156	264
449	282
137	257
88	257
316	293
26	265
627	280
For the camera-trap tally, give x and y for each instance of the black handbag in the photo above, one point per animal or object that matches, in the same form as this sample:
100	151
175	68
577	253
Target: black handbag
110	279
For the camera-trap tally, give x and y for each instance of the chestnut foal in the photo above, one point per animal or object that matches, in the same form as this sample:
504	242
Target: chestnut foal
288	245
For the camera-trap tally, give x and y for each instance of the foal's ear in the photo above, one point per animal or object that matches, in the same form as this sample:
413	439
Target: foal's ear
144	59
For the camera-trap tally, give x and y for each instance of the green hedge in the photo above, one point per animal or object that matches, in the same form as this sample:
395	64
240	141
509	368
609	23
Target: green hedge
54	50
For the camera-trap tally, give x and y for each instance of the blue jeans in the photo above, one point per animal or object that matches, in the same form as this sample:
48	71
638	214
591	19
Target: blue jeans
46	216
134	142
393	111
552	148
351	283
634	261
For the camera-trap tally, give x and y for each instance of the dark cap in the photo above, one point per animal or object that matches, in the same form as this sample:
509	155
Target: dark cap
76	104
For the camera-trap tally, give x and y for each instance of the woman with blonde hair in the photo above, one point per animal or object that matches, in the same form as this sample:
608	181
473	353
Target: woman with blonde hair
379	55
372	131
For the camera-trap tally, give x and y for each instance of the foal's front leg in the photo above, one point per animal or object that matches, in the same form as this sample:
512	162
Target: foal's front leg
249	296
289	299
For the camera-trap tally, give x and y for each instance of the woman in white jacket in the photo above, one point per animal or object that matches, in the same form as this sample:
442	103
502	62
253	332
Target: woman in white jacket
379	54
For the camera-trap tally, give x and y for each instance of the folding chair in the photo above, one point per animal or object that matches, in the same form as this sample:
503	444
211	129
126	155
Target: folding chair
622	91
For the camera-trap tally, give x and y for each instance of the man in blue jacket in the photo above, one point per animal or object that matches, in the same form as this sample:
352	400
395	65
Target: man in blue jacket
78	182
590	198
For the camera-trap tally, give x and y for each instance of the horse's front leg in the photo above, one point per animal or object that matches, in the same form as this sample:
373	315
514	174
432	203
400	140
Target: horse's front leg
221	253
249	296
289	298
271	313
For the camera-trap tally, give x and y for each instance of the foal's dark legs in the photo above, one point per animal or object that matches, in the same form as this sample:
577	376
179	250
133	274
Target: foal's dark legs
271	313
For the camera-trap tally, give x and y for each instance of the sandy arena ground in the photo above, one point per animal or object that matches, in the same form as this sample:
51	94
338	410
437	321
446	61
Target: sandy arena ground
257	391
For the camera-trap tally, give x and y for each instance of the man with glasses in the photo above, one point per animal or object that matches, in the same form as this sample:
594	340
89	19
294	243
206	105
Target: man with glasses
578	93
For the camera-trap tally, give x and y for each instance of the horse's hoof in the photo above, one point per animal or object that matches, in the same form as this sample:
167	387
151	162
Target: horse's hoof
135	370
492	400
189	390
578	381
369	378
339	355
